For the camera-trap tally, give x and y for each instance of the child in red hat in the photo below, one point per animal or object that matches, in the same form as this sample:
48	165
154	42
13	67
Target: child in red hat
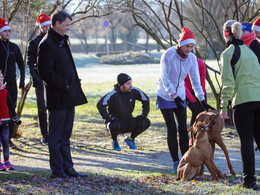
5	106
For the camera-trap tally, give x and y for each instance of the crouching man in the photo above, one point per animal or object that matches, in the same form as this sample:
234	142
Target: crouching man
117	106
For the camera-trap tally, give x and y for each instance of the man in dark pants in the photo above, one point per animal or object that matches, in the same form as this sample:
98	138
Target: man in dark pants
63	90
10	54
121	104
44	23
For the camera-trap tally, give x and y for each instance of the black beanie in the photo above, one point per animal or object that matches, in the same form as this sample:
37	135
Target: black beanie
122	78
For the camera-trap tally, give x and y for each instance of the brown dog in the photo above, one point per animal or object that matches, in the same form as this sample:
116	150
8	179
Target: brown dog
215	125
199	154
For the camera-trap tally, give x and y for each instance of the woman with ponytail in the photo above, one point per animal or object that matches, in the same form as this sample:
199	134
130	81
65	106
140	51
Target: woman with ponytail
240	72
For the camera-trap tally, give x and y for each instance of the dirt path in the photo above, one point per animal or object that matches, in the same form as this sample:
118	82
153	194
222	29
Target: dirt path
102	161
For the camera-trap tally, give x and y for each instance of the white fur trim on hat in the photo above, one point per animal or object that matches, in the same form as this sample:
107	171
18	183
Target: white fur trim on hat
255	27
45	23
5	28
187	41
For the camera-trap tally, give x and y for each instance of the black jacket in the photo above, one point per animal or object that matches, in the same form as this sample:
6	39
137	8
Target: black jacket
12	51
255	46
121	104
57	69
32	55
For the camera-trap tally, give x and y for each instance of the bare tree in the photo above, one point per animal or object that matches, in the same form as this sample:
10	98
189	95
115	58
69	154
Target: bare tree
20	11
205	17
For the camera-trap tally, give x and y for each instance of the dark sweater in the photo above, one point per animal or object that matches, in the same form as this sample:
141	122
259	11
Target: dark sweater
121	104
12	53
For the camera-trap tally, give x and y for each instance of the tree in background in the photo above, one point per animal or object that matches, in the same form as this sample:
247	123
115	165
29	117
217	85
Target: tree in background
22	15
204	17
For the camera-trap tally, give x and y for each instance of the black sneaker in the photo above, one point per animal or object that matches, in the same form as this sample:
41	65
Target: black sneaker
44	140
11	144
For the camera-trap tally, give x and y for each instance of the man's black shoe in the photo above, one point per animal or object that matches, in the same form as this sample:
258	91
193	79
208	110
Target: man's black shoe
72	173
63	175
250	185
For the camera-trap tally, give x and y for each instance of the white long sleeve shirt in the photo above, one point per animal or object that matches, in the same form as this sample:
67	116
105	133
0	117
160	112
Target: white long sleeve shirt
173	71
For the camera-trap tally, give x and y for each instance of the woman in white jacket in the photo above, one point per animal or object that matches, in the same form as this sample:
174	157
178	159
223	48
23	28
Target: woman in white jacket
176	63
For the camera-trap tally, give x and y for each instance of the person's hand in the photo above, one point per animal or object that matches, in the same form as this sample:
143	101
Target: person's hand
37	82
17	120
206	106
110	120
224	115
178	101
197	107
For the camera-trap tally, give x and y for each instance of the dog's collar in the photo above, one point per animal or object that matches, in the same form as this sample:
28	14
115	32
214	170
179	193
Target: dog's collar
207	125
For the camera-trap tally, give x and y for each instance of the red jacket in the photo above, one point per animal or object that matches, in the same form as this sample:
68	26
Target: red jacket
188	86
6	105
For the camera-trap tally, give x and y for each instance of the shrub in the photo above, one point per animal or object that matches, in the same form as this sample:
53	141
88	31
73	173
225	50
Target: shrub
129	58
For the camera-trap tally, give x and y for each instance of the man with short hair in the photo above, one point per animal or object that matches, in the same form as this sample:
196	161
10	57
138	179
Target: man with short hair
63	90
10	55
44	22
117	106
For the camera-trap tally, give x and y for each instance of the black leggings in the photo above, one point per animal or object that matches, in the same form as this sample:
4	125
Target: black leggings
133	125
247	122
181	116
4	137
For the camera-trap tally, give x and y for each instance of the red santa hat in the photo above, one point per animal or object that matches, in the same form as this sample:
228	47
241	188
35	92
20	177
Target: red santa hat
43	20
186	37
256	24
4	25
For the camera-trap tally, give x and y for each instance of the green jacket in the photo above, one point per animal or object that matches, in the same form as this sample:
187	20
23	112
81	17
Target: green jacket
244	85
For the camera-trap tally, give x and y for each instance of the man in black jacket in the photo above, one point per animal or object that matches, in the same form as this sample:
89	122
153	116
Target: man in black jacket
63	90
44	23
118	115
10	54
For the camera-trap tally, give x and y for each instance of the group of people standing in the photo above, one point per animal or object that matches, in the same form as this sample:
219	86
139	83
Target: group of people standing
181	83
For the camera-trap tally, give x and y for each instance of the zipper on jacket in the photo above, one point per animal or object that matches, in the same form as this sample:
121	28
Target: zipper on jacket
179	78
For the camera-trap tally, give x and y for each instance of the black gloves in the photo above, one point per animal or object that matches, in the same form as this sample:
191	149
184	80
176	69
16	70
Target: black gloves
37	82
178	101
196	107
110	120
17	120
206	106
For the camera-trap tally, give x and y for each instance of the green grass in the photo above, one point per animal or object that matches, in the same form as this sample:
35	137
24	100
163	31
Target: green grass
110	172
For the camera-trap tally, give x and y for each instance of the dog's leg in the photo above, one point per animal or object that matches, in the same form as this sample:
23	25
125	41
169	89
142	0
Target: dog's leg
211	169
216	169
196	172
224	149
201	171
188	172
